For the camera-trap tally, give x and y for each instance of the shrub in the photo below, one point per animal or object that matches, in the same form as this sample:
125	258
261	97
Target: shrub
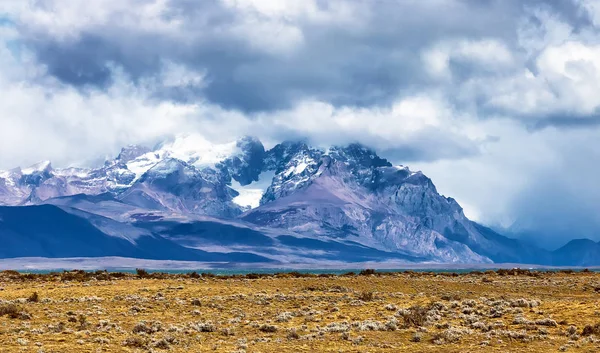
268	328
194	275
148	328
136	342
83	323
142	273
284	317
196	302
589	330
34	298
416	337
415	316
205	327
161	344
366	296
546	322
10	310
13	312
293	334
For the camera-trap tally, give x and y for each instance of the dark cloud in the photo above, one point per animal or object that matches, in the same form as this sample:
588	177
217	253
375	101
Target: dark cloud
335	63
566	120
558	208
432	145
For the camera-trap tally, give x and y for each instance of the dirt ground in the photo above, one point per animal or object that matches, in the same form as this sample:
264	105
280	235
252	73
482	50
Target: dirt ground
504	311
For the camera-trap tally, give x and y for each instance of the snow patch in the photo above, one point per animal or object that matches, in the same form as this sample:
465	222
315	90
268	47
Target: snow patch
198	151
74	172
301	167
38	167
143	163
250	195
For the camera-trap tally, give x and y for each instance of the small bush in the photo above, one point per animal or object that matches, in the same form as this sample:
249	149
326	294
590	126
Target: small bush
293	334
196	302
366	296
205	327
416	337
83	323
142	273
589	330
268	328
135	342
546	322
13	312
194	275
415	316
9	310
34	298
161	344
147	327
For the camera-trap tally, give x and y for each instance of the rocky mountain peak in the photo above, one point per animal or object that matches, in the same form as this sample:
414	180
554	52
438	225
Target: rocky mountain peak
246	165
132	152
36	174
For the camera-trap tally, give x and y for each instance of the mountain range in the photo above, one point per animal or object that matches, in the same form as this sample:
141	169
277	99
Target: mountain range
188	199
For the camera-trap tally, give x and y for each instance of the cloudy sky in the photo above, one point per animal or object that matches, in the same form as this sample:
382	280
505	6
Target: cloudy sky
498	101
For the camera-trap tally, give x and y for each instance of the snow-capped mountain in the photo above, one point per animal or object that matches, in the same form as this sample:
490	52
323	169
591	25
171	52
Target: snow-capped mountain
293	202
175	185
160	174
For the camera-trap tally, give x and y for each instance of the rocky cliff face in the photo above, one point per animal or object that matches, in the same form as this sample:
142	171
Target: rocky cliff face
351	193
177	186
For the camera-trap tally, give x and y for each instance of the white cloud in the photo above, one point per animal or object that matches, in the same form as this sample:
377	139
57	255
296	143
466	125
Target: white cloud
540	28
564	82
67	19
486	54
42	118
592	7
277	26
177	75
335	11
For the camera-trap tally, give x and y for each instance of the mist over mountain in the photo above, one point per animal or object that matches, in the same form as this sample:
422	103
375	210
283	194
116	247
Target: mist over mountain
189	199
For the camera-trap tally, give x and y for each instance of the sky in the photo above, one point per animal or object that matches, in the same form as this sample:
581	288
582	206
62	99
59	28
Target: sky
497	101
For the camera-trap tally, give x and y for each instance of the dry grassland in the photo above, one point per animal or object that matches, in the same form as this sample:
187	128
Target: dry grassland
403	312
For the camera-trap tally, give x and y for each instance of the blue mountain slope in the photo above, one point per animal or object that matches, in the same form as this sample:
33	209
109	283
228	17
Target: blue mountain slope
583	252
206	234
49	231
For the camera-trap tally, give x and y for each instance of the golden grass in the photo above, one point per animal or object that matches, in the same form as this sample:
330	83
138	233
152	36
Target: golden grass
404	312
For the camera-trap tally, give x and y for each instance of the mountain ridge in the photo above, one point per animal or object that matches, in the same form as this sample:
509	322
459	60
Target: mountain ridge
320	204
